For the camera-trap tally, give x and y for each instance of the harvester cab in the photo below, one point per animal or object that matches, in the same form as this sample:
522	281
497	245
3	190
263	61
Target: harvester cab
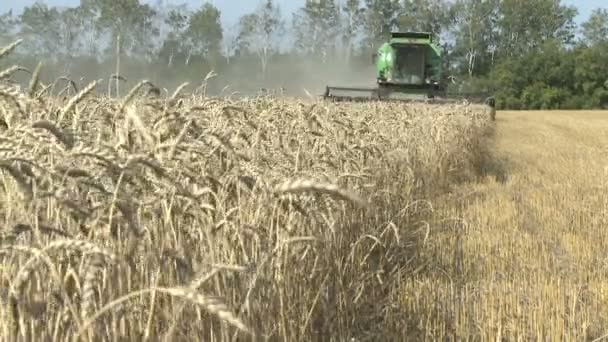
409	59
408	68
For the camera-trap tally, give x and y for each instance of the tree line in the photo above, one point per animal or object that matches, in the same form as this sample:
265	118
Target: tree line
531	54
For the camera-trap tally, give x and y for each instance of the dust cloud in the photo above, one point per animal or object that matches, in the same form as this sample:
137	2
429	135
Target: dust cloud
289	74
297	76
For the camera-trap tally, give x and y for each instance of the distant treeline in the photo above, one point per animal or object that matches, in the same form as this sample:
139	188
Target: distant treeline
531	54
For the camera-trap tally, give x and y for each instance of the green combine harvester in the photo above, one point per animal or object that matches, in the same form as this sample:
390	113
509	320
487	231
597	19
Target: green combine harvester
409	68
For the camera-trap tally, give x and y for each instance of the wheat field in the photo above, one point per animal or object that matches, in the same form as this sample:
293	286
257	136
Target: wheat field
191	218
185	217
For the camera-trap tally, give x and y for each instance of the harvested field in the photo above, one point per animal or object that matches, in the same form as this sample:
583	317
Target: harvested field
520	255
193	218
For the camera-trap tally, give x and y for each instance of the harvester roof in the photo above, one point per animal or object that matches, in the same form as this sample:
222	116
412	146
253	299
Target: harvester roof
411	38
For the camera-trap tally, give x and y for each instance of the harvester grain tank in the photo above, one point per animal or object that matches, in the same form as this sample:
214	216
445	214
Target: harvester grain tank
408	68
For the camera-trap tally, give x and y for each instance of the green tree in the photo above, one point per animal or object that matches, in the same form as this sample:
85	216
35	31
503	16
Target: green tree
595	30
72	29
352	23
474	34
591	74
203	35
129	19
176	19
540	78
260	32
379	19
41	30
8	23
317	27
230	43
524	25
433	16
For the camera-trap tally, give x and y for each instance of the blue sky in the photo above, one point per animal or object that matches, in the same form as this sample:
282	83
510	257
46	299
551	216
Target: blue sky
233	9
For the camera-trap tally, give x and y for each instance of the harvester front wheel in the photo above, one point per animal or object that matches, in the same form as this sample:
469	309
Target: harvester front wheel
382	92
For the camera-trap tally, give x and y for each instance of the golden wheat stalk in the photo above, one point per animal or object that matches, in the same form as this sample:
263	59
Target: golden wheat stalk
78	97
118	77
70	82
140	126
105	156
146	161
306	185
8	49
179	139
178	90
52	128
22	181
95	266
82	246
11	70
14	97
35	80
211	304
131	94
